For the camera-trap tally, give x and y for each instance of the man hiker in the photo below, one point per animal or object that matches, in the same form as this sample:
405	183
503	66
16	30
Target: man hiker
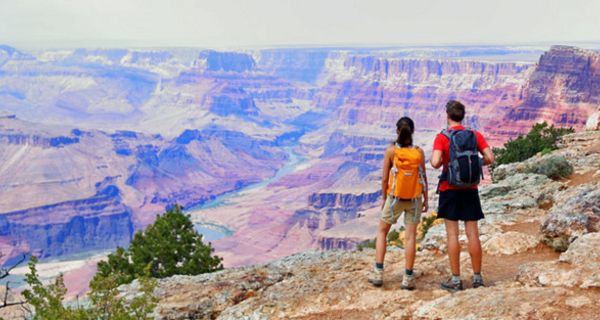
404	190
457	149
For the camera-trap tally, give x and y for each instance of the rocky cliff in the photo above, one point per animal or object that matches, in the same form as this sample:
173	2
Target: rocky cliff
525	279
101	222
367	90
70	191
563	89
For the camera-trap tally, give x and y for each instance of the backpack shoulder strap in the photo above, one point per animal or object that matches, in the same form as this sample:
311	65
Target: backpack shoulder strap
447	133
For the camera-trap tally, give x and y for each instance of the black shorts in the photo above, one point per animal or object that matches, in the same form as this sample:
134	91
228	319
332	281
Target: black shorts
461	205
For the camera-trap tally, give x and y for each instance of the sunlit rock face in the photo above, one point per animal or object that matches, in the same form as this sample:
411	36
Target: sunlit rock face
593	122
564	89
367	90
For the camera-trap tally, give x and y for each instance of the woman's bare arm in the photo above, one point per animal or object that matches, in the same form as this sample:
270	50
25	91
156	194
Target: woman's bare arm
388	158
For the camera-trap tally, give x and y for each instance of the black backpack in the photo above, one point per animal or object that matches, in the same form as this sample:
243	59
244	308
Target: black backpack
465	168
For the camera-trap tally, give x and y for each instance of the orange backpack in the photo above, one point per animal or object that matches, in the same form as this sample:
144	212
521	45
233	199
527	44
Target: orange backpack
406	179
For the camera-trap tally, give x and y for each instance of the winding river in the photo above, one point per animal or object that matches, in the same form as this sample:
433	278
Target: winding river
211	231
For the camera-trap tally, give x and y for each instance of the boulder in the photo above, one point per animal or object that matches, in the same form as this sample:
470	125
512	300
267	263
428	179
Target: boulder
552	165
577	213
593	122
483	303
559	274
577	267
584	250
435	239
509	243
517	191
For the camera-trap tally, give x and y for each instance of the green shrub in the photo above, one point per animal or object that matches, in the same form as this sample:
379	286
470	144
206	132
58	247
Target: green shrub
393	235
554	167
541	138
426	224
47	301
167	247
366	244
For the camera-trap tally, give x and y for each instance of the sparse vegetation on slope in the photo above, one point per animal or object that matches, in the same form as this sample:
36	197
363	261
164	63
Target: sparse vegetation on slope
48	302
167	247
542	138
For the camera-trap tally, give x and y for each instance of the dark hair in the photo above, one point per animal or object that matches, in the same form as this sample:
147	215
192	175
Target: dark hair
455	110
406	128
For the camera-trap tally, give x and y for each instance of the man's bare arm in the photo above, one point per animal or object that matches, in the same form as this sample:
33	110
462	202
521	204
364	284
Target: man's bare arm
436	159
488	156
425	191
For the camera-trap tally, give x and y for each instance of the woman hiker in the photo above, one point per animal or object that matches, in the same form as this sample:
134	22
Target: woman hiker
404	189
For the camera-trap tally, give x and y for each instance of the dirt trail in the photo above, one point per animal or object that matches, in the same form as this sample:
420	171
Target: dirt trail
432	269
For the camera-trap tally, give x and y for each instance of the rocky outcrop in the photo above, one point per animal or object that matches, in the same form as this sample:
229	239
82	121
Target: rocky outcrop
227	61
518	191
321	219
552	166
359	147
331	243
367	90
563	89
328	284
329	209
348	200
577	213
233	101
577	267
593	122
510	243
95	223
37	140
584	250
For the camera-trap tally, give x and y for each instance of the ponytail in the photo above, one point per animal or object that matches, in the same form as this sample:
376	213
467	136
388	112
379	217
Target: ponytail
405	127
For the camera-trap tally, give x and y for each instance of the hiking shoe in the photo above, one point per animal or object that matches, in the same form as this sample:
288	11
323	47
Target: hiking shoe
376	277
452	286
477	282
408	282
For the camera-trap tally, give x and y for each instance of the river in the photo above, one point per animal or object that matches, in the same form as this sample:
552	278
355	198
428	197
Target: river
211	231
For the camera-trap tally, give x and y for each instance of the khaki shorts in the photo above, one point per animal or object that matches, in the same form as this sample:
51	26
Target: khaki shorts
411	208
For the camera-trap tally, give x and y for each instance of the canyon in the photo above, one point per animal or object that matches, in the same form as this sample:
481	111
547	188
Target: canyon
280	147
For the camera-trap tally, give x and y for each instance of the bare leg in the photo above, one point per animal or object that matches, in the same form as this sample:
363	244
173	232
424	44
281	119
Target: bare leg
453	246
410	246
381	242
472	232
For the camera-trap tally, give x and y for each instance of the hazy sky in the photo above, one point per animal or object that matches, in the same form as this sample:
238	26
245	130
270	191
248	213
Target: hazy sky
228	23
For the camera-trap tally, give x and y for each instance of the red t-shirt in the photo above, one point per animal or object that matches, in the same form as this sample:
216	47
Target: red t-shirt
442	144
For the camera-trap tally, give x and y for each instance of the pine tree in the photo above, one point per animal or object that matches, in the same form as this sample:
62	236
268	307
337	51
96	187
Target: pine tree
167	247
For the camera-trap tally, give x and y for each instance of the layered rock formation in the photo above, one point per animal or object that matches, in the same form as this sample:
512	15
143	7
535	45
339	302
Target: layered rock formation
71	191
377	90
563	89
593	122
97	223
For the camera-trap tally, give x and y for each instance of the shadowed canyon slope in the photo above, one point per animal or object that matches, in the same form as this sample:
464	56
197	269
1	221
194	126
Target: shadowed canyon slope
281	147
